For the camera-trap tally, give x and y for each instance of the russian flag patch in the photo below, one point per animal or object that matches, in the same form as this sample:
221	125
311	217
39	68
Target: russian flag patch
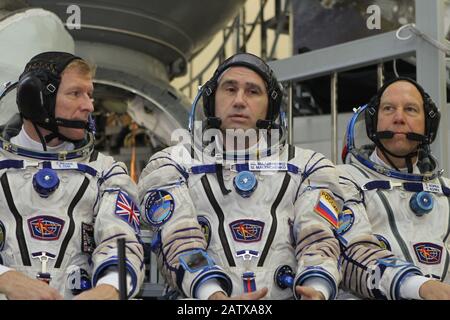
327	208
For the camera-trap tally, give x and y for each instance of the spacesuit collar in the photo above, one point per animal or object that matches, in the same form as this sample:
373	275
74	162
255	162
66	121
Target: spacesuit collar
257	151
25	141
364	157
80	151
375	158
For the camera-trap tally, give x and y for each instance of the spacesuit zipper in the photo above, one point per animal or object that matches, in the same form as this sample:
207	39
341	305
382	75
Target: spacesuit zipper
390	214
71	229
221	217
93	157
444	274
393	226
19	227
273	210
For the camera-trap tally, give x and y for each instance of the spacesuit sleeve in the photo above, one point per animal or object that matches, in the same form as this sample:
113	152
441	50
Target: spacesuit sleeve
117	216
178	240
317	206
367	269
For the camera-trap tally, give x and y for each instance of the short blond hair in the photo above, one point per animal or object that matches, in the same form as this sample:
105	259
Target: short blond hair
82	67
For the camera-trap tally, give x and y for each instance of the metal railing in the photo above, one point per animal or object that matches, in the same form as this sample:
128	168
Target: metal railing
238	28
426	42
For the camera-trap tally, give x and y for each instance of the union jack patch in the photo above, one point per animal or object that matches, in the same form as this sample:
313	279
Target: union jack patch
428	253
327	208
247	230
45	228
127	210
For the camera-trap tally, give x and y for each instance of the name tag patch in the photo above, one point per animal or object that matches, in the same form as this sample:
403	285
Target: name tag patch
267	166
432	187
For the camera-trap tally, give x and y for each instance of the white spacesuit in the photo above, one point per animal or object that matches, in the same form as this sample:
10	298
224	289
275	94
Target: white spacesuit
418	238
408	211
62	213
249	237
266	216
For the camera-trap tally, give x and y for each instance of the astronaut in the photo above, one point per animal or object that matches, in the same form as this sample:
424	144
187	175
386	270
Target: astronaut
237	212
63	205
404	193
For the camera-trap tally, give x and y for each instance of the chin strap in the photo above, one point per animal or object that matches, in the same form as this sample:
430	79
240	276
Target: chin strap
76	124
213	123
264	124
54	125
388	154
53	135
410	136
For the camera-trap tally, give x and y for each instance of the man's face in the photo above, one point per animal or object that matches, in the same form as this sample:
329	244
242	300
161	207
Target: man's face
401	111
74	101
241	99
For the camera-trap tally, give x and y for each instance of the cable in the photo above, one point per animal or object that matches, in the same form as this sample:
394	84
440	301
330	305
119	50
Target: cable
394	66
412	27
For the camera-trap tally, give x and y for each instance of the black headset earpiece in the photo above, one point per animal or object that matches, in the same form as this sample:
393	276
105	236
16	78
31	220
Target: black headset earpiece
38	85
208	98
276	92
30	97
432	118
371	114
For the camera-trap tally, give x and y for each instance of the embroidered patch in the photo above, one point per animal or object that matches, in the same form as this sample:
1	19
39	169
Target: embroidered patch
46	228
327	208
206	228
127	210
428	253
346	220
2	236
87	238
247	230
383	242
159	207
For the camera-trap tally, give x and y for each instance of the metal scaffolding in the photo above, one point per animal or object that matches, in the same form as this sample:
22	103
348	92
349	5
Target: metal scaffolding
423	43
